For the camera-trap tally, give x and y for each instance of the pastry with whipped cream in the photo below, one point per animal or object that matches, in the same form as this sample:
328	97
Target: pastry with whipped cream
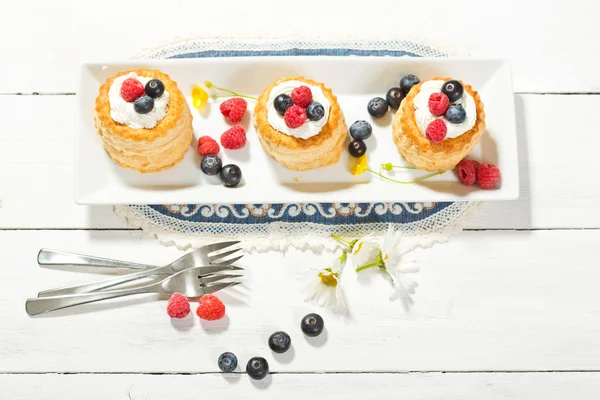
143	120
438	123
300	124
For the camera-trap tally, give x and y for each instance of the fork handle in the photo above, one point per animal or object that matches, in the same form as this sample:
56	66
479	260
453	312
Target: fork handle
47	304
94	286
54	257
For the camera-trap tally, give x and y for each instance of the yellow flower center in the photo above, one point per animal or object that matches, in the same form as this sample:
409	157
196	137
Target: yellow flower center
328	279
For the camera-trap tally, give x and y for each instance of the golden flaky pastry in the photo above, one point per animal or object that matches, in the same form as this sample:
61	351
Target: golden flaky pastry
146	150
426	155
302	154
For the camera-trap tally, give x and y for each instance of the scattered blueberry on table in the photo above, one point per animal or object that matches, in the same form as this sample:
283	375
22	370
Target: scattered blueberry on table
280	342
312	325
257	368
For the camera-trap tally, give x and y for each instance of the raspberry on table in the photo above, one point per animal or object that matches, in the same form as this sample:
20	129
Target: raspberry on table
438	104
487	176
210	308
178	306
436	131
208	145
234	138
467	171
131	90
294	116
302	96
234	109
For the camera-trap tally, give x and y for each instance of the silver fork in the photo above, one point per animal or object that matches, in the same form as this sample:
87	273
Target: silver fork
189	282
194	258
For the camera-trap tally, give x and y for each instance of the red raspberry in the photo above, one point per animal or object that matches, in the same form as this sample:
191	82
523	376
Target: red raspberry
302	96
131	89
436	131
178	306
234	109
234	137
467	171
438	104
210	308
488	175
294	116
208	145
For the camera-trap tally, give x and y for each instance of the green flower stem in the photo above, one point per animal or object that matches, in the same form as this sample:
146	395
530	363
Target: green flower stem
339	239
402	166
367	266
405	183
343	257
236	95
233	93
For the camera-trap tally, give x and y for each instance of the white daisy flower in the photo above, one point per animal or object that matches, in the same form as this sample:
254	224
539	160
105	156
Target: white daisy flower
365	251
324	288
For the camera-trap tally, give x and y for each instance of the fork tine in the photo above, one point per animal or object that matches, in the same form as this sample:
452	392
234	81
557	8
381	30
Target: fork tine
227	262
215	278
222	257
219	286
218	268
210	248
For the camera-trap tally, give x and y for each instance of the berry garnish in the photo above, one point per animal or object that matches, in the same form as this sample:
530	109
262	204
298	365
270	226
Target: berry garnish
143	105
154	88
282	103
230	175
315	111
302	96
361	130
357	148
178	306
312	325
487	176
234	137
280	342
211	164
453	89
394	97
456	114
407	82
377	107
467	171
131	89
436	131
234	109
207	145
295	116
210	308
257	368
227	362
438	103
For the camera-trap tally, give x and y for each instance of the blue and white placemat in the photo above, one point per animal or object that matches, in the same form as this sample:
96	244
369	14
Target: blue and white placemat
302	225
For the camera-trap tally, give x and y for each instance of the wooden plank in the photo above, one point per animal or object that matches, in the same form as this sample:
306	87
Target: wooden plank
36	167
486	301
500	386
45	42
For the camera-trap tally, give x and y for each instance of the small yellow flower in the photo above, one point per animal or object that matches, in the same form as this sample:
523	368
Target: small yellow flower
360	166
199	97
387	166
208	84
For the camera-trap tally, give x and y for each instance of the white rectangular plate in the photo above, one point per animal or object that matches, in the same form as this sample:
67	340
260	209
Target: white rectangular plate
355	80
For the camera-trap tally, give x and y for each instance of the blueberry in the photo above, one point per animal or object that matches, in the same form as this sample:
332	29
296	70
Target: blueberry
361	130
312	325
227	362
453	89
154	88
211	164
143	105
282	103
257	368
315	111
394	97
456	114
231	175
377	107
357	148
407	82
280	342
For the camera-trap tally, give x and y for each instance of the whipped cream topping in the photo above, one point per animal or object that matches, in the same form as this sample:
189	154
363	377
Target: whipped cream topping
424	117
309	128
124	113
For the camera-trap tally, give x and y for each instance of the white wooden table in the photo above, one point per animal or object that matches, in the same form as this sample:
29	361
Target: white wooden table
508	309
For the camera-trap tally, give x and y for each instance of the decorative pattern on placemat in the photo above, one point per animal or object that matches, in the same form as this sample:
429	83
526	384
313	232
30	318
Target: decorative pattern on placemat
276	226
